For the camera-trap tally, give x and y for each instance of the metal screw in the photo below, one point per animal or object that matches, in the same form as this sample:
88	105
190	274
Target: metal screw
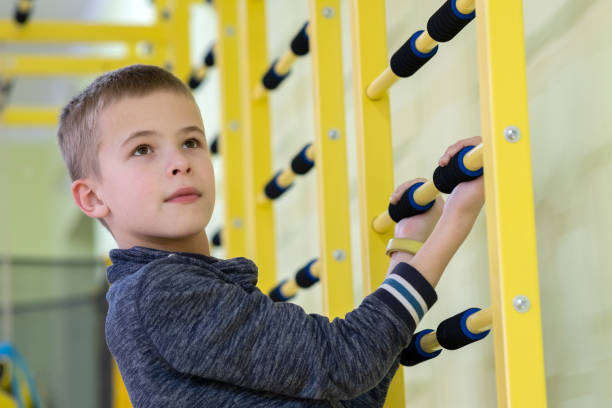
166	14
147	48
521	303
512	134
339	255
334	134
237	222
328	12
168	66
233	125
230	31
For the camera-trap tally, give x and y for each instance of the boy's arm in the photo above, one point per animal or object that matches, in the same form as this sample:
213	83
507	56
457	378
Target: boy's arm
212	329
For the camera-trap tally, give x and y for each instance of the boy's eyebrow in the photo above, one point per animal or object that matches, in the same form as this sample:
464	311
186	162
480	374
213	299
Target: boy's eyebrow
186	129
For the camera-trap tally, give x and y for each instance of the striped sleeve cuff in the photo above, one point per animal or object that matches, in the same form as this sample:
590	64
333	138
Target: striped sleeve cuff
408	293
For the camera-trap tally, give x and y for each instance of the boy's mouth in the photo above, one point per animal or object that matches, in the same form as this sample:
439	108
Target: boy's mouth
184	195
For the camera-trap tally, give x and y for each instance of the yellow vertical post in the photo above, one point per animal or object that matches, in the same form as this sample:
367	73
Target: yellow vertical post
374	150
259	220
234	236
515	293
177	14
330	139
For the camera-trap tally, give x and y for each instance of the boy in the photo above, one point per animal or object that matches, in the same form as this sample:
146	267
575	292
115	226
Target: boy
189	330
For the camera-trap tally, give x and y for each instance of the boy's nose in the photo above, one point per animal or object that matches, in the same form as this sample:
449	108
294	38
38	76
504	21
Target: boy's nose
180	164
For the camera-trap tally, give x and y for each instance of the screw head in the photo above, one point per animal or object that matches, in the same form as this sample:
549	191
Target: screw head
230	31
512	134
328	12
168	65
234	125
339	255
237	222
521	303
334	134
166	14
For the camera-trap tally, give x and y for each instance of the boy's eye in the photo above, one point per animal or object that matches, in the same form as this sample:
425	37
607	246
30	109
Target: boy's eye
193	143
141	150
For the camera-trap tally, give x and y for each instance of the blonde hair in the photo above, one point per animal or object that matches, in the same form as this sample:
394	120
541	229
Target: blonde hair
78	137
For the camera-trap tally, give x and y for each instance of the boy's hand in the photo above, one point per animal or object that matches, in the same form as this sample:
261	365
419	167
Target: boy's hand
468	197
417	227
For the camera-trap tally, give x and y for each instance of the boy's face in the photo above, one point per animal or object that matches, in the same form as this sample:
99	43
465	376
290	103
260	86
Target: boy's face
152	146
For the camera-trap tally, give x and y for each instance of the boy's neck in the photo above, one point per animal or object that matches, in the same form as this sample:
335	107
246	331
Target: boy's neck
197	244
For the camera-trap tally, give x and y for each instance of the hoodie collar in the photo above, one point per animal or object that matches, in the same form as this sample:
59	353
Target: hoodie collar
128	261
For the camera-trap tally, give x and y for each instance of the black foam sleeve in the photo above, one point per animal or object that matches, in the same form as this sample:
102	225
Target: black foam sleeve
276	295
406	207
21	17
453	334
271	79
414	354
214	146
209	59
273	190
216	239
304	278
446	23
301	164
194	81
448	177
299	44
407	59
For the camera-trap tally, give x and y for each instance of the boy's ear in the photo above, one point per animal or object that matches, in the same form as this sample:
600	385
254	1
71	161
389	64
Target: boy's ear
87	199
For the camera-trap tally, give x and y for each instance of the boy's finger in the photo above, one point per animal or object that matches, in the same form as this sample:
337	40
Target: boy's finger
399	190
456	148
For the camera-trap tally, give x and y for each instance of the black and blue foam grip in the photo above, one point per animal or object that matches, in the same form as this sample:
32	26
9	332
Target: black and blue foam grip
299	44
301	164
448	177
453	333
194	81
276	295
216	239
414	354
304	277
408	59
407	206
273	190
214	145
209	59
22	15
446	23
272	79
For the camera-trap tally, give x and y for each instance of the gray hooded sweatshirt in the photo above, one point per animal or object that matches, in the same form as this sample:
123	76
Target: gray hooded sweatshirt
188	330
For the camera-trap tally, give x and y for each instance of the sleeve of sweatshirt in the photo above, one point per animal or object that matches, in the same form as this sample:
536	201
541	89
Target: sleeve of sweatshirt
376	397
206	327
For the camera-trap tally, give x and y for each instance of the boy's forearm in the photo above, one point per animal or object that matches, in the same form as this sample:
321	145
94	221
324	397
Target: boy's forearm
437	251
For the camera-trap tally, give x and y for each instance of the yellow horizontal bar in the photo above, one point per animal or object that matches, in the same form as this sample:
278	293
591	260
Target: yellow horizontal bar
68	31
30	116
66	65
428	191
290	287
424	43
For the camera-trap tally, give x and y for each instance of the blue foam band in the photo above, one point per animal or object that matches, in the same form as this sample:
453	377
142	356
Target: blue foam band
411	198
460	14
464	169
310	275
466	331
416	51
278	186
417	343
303	155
